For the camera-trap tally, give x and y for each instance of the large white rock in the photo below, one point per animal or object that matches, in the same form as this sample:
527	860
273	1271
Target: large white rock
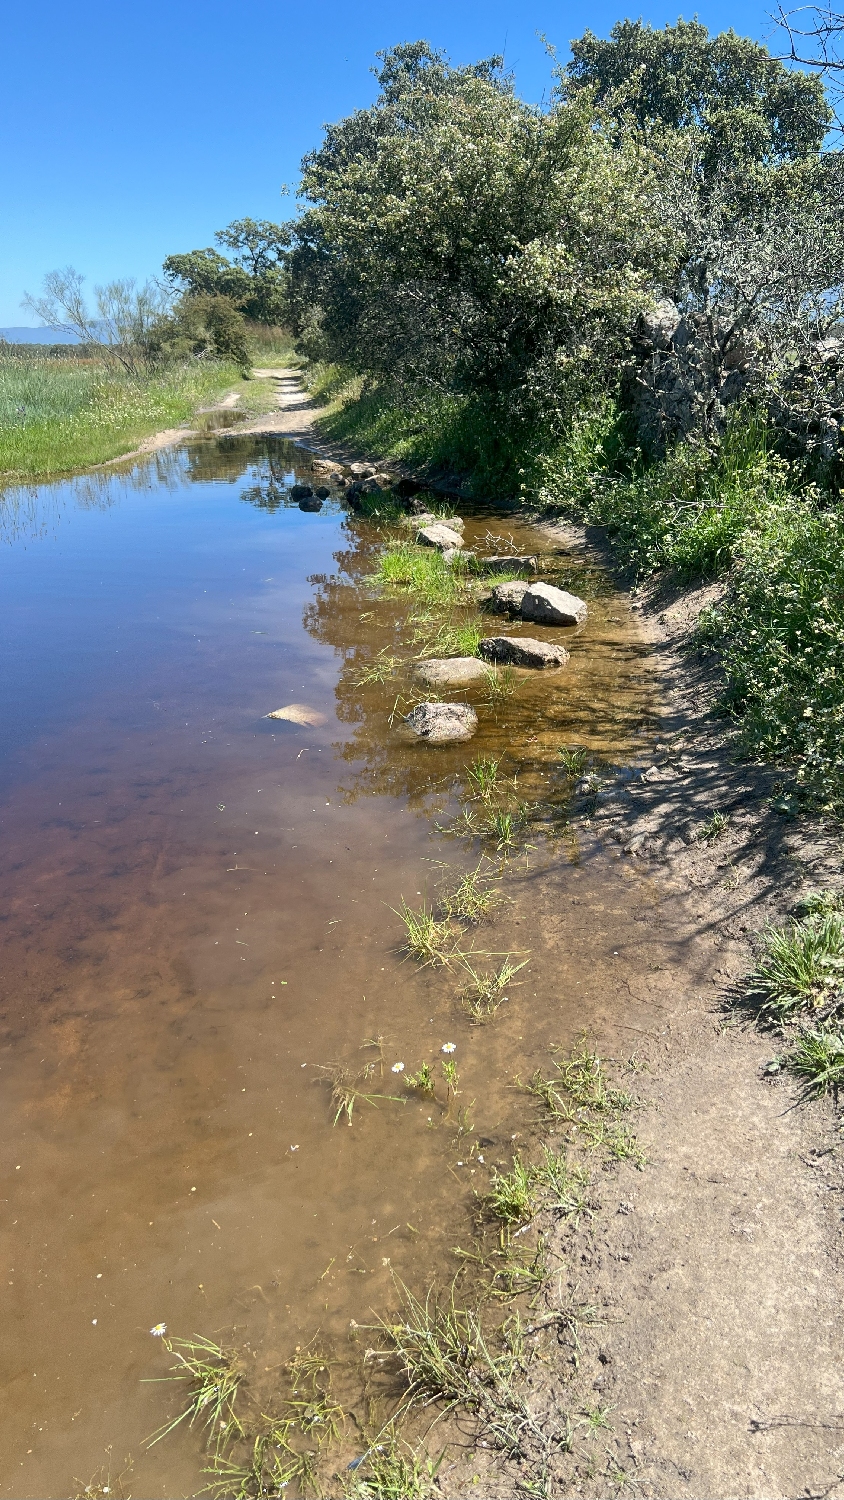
508	564
523	651
440	536
550	606
442	723
452	671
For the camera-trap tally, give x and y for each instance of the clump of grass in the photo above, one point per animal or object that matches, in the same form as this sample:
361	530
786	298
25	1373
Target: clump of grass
486	992
346	1090
393	1471
213	1376
446	1357
511	1197
584	1079
501	828
426	936
579	1094
575	760
499	686
473	899
460	636
562	1183
818	1059
714	828
482	777
802	966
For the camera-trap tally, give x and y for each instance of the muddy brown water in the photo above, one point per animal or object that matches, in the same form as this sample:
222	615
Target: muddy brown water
197	913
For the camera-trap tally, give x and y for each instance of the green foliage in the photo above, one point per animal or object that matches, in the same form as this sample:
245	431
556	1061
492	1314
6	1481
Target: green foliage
727	91
253	280
205	323
460	241
780	631
801	968
818	1059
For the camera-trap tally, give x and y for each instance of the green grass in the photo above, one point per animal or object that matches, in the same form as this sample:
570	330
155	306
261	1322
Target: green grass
485	993
801	967
818	1060
60	415
426	936
473	899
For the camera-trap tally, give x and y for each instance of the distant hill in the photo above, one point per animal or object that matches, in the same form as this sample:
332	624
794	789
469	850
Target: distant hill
37	336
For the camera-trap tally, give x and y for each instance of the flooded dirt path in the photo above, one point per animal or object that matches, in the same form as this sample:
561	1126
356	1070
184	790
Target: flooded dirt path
197	914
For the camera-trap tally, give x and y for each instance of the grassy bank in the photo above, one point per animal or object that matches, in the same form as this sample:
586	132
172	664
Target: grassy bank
61	411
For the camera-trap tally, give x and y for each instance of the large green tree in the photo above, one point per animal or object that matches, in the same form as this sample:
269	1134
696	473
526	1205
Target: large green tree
456	238
253	278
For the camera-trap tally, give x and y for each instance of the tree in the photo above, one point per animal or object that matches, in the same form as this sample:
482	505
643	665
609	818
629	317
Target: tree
254	279
458	239
125	324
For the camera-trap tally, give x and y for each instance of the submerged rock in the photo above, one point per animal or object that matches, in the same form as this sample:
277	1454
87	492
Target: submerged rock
551	606
322	491
311	502
442	723
300	492
523	651
299	713
439	536
452	671
509	564
508	596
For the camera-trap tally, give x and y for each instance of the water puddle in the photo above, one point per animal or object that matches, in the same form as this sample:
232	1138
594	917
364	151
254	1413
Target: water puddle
198	914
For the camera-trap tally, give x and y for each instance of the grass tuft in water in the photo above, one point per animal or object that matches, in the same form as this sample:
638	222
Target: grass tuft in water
482	777
487	991
422	1080
473	899
425	936
500	685
392	1470
346	1090
213	1375
575	760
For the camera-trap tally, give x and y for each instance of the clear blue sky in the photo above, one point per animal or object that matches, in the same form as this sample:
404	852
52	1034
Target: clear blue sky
130	131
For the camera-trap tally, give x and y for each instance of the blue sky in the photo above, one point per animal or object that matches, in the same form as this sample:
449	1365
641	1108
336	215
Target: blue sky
133	131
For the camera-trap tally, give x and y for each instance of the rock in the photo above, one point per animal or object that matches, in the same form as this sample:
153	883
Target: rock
550	606
371	486
508	597
509	564
452	671
298	713
456	523
322	491
523	651
361	471
340	480
312	502
300	492
326	466
450	553
385	480
439	536
442	723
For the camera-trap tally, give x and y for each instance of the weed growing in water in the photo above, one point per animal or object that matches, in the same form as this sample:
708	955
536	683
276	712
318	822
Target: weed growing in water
584	1080
425	936
346	1091
575	760
482	776
801	966
473	900
502	828
818	1059
423	1080
393	1471
500	685
511	1197
451	1078
214	1375
486	992
381	669
562	1183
